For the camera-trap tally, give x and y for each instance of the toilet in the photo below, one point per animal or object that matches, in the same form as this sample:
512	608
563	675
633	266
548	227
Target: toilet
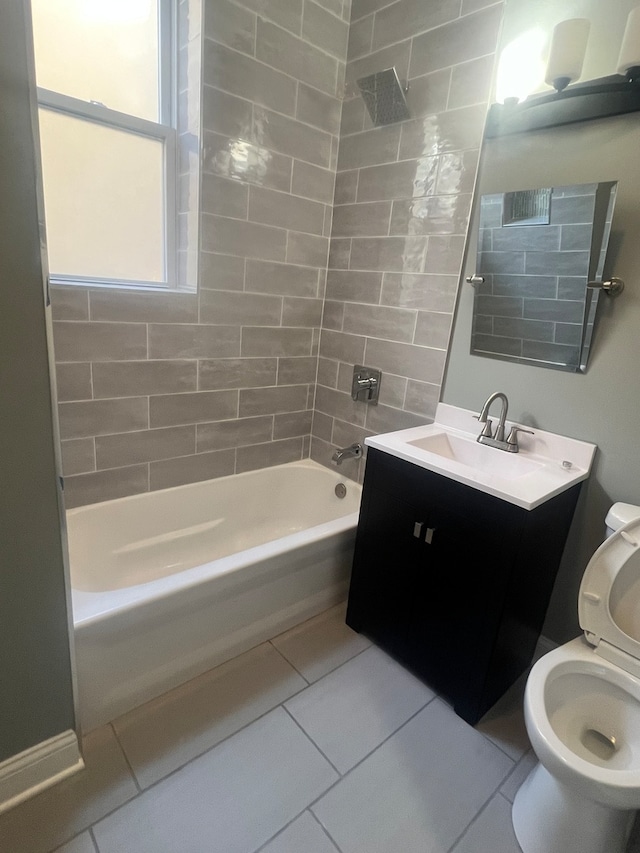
582	712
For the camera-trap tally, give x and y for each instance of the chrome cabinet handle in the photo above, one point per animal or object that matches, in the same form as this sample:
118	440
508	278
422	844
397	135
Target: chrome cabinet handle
417	532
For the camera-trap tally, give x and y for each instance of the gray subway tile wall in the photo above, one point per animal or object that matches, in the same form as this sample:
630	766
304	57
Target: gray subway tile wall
160	389
303	272
401	208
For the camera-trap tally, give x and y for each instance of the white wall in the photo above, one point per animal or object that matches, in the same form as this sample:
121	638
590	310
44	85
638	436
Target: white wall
603	405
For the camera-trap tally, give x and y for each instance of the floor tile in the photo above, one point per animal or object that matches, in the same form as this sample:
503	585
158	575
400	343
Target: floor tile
305	835
522	769
321	644
491	831
418	791
61	812
352	710
233	798
504	723
81	844
164	734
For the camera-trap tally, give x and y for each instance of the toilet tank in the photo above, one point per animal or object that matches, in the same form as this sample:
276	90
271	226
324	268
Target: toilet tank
620	514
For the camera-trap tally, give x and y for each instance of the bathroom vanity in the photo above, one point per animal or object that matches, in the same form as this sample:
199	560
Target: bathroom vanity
454	563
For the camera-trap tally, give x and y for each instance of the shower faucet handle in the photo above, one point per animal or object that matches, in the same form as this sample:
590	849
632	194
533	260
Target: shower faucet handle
365	385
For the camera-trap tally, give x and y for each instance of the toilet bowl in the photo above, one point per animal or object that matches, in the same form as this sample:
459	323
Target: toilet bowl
582	712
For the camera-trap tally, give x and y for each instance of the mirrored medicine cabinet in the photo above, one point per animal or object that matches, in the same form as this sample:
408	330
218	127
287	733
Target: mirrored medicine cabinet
540	261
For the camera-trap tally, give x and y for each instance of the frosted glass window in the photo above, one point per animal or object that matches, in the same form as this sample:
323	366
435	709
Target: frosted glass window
105	51
104	204
106	92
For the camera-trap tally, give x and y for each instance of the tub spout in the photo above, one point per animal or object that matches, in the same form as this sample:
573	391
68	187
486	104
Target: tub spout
354	451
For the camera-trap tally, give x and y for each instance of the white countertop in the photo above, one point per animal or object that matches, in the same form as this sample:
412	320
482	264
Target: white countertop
527	479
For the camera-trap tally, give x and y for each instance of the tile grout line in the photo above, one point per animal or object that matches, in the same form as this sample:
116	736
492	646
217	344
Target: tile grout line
514	768
481	810
280	831
125	756
73	838
298	35
373	751
329	671
325	830
93	839
498	746
208	749
380	48
496	792
311	740
291	117
500	794
176	770
143	791
289	824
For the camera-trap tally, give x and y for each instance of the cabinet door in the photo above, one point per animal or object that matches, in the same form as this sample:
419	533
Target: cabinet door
388	572
432	558
458	599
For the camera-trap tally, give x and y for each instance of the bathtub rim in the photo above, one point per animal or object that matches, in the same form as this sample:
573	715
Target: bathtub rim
92	608
311	464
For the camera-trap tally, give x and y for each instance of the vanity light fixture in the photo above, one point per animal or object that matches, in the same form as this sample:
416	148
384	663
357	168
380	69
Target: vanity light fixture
574	102
629	59
568	48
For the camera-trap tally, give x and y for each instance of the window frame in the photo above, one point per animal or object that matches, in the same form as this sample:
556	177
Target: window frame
165	130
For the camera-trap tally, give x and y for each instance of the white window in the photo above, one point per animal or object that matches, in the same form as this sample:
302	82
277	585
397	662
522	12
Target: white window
106	91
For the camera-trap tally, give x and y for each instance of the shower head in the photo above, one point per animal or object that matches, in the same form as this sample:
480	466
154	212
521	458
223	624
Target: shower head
384	97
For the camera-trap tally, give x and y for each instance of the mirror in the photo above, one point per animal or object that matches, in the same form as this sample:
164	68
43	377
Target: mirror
540	251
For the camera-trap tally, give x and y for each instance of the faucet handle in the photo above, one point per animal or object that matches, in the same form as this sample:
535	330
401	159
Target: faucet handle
512	440
487	429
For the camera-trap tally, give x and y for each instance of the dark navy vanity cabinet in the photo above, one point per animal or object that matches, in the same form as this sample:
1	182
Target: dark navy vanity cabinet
452	582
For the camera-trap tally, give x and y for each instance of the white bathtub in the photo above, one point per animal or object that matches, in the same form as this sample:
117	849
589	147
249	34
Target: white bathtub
170	583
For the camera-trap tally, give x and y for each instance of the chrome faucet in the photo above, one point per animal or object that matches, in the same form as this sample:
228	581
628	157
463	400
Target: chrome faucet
354	451
498	440
483	418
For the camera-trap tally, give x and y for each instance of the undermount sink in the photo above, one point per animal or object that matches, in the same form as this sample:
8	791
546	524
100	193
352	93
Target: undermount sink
546	464
468	452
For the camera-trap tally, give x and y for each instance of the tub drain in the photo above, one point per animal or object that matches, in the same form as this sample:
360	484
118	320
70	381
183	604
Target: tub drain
341	490
601	745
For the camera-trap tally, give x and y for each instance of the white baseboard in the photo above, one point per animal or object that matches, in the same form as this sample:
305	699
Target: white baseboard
543	646
26	774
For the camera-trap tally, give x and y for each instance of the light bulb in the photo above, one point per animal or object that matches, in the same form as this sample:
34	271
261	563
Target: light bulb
568	47
629	59
521	68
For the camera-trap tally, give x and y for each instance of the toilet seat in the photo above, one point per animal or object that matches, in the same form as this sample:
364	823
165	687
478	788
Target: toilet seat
609	599
608	785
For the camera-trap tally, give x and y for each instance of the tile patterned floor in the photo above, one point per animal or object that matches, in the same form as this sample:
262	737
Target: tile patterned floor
316	742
